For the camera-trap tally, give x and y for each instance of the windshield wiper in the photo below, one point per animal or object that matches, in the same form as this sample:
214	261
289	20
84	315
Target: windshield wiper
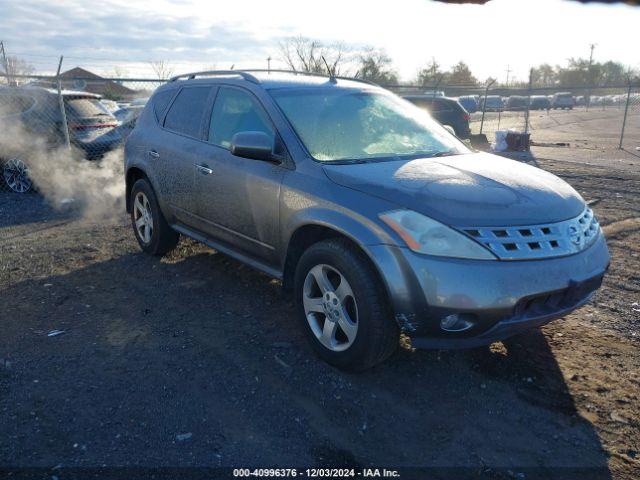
446	153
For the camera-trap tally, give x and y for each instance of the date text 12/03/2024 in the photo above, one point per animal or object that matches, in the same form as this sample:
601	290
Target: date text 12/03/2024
317	472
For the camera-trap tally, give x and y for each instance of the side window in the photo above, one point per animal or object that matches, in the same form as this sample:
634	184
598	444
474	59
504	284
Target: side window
236	111
161	102
185	114
440	106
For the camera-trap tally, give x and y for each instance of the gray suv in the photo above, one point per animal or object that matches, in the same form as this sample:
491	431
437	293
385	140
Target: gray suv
375	217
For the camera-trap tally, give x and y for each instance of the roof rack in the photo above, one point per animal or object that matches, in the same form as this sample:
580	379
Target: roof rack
212	73
246	74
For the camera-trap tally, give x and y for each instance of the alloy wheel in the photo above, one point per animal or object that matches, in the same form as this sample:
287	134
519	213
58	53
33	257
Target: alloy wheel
143	218
16	176
330	307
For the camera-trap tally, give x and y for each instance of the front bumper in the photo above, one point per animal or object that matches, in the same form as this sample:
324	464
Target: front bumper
504	297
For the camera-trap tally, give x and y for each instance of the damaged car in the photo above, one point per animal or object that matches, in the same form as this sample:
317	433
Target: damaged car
374	216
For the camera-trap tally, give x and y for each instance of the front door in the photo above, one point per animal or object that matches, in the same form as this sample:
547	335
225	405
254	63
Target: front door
238	198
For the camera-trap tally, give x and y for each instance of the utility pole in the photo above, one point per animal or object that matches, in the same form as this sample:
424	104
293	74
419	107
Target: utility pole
508	70
269	63
589	76
5	63
63	110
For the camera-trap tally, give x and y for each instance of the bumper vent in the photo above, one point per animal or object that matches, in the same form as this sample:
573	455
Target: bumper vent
539	241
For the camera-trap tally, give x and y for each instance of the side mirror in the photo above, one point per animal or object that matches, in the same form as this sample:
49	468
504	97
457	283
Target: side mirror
254	145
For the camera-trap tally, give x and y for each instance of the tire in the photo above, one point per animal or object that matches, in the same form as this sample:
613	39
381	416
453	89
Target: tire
15	176
376	335
153	233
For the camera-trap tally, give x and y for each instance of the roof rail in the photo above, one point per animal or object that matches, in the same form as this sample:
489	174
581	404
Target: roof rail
246	74
309	74
211	73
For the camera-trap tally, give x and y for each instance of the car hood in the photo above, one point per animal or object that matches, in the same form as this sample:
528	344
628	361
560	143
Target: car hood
470	190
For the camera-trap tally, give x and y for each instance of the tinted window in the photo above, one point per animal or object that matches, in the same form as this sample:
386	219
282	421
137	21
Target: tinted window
185	114
440	106
236	111
161	102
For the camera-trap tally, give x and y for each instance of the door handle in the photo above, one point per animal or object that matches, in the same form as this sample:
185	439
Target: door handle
153	153
204	170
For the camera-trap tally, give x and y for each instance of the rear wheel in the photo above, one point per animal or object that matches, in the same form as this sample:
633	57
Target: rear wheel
343	307
15	174
152	231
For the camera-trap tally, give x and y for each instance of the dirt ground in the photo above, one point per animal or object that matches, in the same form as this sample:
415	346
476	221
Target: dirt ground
197	360
596	132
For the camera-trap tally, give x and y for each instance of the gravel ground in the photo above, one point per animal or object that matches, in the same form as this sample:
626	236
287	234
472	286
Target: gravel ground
197	360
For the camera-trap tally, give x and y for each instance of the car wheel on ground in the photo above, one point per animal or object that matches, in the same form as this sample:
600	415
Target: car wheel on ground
343	307
152	231
15	174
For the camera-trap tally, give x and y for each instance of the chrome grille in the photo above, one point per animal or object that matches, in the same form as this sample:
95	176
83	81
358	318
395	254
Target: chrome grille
539	241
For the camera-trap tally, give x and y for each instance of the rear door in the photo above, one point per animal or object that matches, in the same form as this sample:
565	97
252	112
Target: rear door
177	148
239	197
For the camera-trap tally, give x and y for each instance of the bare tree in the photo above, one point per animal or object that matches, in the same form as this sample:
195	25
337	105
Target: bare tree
307	55
16	66
120	72
162	69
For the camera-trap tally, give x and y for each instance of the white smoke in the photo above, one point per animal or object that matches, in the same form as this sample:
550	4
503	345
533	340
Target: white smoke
66	180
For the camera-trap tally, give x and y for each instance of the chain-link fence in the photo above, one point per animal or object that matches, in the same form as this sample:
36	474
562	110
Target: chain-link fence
43	118
82	115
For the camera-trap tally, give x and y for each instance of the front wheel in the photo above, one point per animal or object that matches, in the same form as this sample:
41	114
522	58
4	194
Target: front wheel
15	174
152	231
343	307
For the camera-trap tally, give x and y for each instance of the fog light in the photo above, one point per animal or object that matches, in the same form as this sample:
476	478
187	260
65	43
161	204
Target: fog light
457	322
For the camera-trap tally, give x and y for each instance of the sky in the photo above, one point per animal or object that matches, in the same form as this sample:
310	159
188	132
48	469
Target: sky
191	35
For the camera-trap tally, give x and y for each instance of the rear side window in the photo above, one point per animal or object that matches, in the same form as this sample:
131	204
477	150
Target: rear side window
161	102
236	111
441	106
13	104
185	114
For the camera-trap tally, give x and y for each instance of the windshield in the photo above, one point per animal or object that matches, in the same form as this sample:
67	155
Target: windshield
338	125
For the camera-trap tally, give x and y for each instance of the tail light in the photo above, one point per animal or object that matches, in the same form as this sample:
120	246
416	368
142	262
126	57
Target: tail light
466	117
80	126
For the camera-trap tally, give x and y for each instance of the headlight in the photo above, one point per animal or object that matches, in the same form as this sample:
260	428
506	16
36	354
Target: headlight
424	235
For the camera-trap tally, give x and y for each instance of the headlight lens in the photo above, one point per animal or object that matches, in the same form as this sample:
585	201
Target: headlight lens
424	235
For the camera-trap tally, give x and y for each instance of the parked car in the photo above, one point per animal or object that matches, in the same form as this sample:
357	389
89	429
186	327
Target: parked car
372	215
580	101
126	114
110	105
447	111
516	103
494	103
562	100
539	102
36	111
141	102
469	102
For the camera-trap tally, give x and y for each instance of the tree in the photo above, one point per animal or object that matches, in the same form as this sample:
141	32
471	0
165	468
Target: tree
460	74
375	66
543	75
430	75
16	66
162	69
303	54
120	72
